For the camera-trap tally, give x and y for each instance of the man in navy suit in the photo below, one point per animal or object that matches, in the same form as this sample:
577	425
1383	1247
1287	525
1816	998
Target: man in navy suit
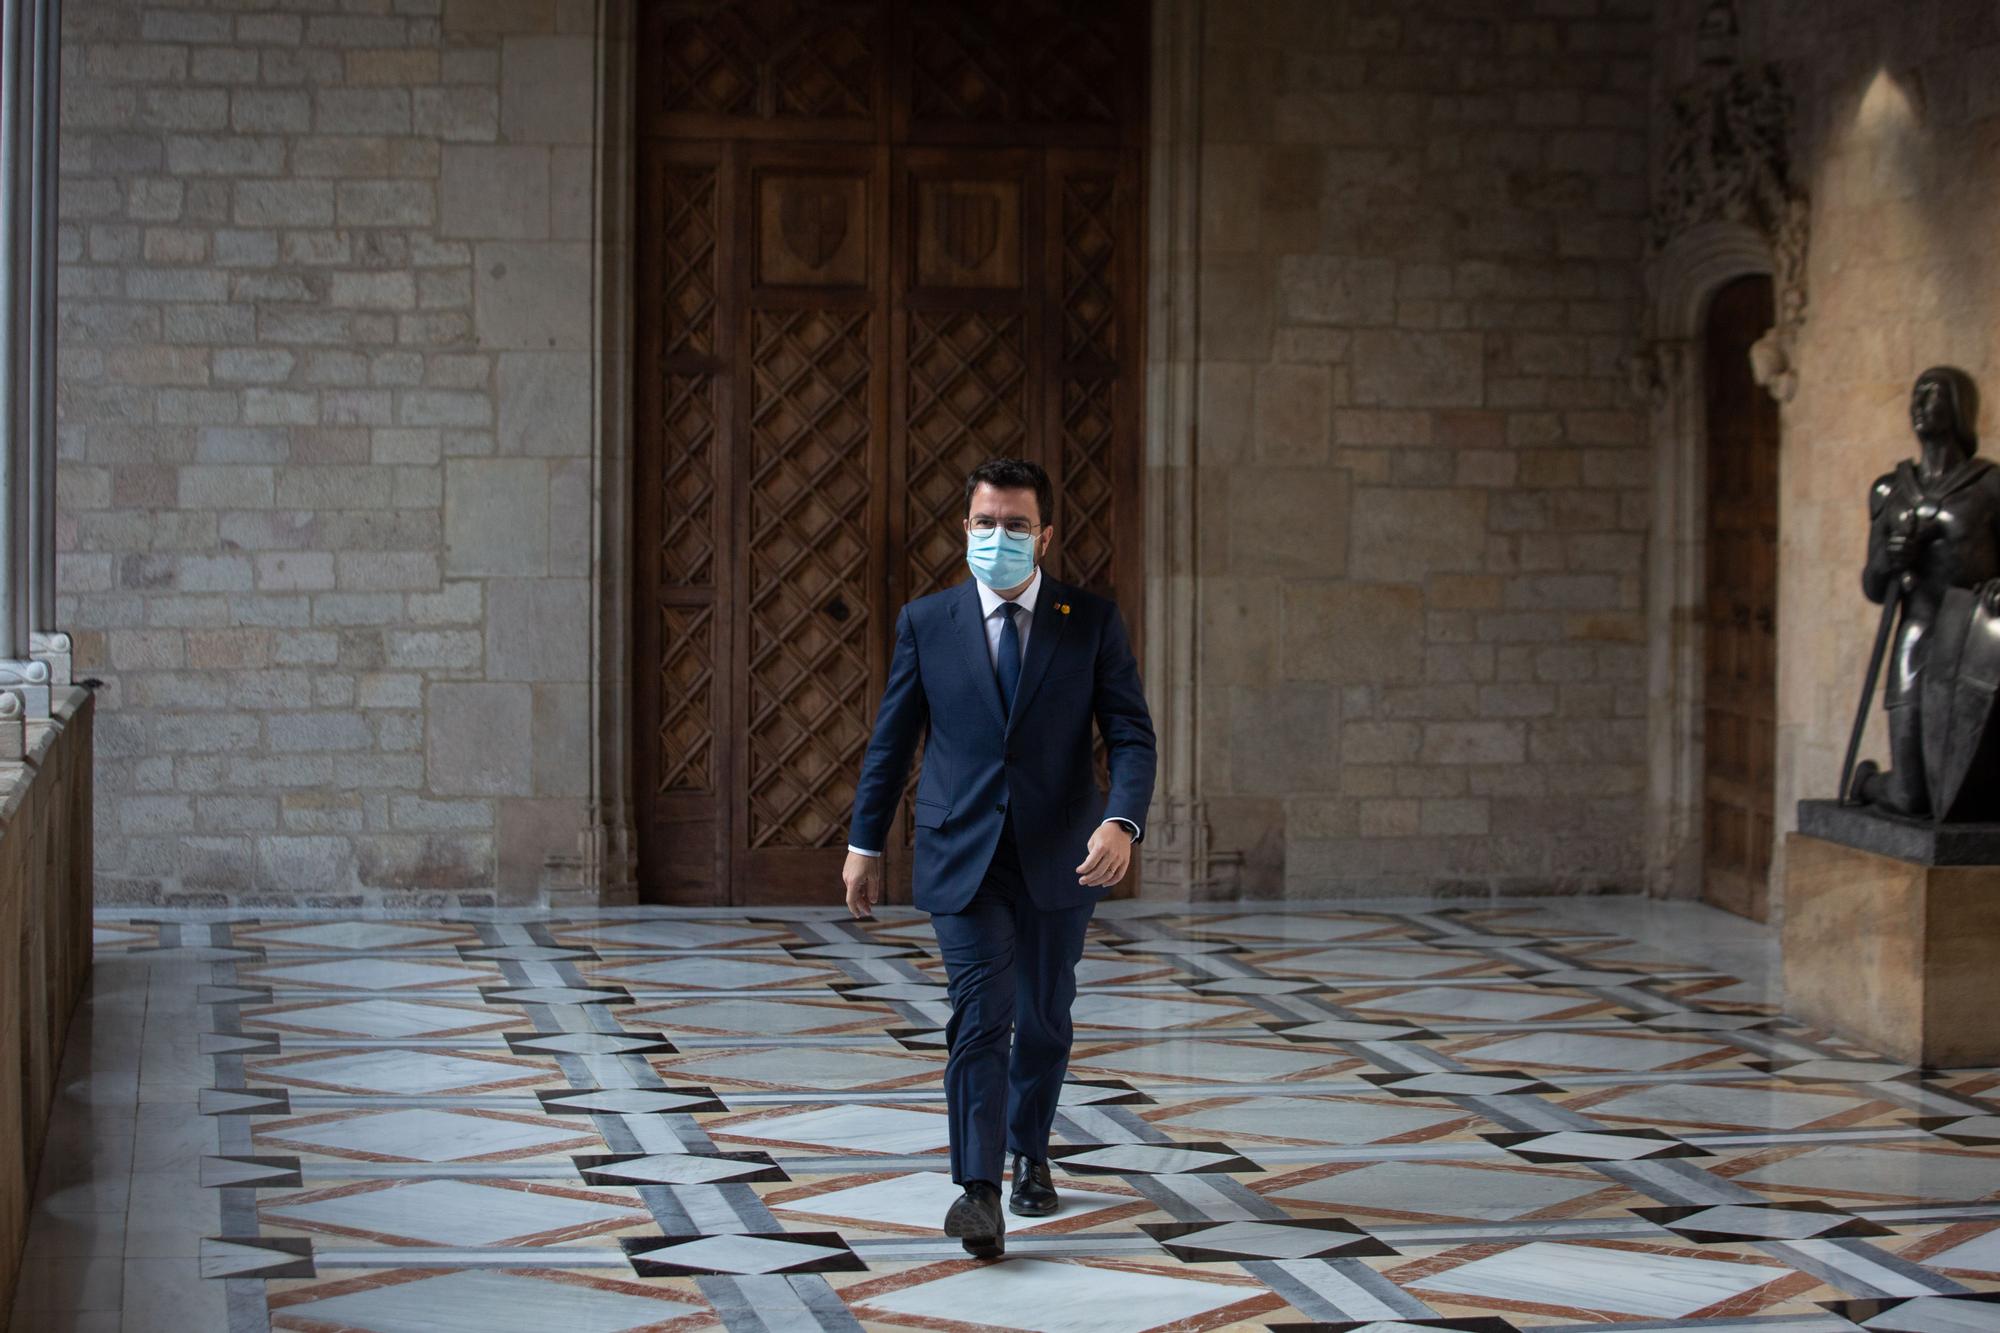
1001	677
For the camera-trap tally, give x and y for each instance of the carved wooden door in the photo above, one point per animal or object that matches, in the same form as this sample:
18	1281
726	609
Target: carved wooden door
1741	646
878	244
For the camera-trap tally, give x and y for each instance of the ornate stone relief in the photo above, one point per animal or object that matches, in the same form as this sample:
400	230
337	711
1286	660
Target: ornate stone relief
1727	159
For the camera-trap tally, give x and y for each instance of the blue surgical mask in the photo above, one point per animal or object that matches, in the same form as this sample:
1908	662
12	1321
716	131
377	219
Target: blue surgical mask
1001	559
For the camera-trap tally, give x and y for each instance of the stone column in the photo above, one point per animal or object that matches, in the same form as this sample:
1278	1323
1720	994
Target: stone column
24	690
1669	373
1175	856
46	643
16	72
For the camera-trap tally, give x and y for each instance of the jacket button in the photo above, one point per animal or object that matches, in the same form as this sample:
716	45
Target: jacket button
1000	807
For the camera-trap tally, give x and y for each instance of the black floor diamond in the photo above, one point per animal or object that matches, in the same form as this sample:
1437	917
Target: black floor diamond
1149	1159
1103	1092
1584	1145
582	1043
1264	1239
1707	1224
1866	1313
1473	1325
679	1100
708	1168
741	1254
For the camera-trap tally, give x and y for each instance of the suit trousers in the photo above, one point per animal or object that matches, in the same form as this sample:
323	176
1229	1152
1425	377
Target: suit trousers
1011	969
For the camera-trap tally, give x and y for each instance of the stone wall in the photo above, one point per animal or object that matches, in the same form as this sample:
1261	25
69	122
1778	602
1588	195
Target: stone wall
1423	485
326	315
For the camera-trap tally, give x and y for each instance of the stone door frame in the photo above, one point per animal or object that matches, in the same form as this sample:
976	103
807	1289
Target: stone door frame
1684	278
603	867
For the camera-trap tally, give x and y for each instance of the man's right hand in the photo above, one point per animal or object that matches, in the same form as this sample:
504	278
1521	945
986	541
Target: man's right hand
863	876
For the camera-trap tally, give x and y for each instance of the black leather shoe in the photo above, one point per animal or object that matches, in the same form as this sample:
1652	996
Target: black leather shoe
974	1220
1034	1193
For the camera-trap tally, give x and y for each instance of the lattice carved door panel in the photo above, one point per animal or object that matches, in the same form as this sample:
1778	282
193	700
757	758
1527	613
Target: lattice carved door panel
808	621
879	244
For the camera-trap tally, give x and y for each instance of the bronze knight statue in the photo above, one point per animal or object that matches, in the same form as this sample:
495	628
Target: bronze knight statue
1934	566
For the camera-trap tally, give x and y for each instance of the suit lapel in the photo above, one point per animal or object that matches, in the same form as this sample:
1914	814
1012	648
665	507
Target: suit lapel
971	628
1043	638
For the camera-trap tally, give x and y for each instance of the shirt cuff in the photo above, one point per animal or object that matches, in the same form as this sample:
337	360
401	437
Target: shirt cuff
1129	825
861	851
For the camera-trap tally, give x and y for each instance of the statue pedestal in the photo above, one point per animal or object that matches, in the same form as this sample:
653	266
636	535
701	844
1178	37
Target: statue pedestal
1892	934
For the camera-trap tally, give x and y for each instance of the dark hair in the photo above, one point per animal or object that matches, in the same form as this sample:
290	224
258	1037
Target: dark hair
1962	397
1014	474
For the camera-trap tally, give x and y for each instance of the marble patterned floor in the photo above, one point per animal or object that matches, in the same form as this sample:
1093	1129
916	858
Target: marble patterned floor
1531	1115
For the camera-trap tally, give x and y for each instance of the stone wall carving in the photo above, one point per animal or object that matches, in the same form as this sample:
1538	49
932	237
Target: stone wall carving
1727	158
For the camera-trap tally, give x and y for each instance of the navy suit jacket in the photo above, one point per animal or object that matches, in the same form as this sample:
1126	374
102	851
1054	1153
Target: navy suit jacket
979	765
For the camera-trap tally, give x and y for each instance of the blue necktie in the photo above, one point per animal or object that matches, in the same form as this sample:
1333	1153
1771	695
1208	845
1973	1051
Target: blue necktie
1007	664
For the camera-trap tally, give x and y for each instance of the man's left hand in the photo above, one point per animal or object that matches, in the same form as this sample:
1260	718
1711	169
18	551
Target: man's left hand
1110	855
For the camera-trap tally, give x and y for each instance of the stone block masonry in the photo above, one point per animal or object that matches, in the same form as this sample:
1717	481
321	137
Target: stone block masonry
325	303
1423	487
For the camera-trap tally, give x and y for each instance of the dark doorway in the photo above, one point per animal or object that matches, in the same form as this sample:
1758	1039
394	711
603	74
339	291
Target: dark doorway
878	243
1741	642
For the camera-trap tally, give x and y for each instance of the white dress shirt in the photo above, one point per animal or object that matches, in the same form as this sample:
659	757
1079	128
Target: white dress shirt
990	603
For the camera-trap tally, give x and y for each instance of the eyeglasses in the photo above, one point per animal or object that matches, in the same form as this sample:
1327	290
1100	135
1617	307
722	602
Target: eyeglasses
1020	527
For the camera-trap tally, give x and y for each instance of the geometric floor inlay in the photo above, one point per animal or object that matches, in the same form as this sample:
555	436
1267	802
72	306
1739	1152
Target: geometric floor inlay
1508	1117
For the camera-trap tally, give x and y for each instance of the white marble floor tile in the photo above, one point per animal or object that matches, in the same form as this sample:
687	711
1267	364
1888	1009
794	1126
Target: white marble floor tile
169	1216
1895	1172
62	1285
384	1018
1150	1013
1444	1190
75	1235
672	934
704	973
478	1301
428	1136
359	936
874	1129
1653	1286
171	1296
1981	1254
1287	927
1591	1050
1938	1315
1050	1297
760	1017
807	1068
1391	964
1110	971
1222	1062
1471	1002
404	1072
458	1213
374	974
1723	1105
1315	1120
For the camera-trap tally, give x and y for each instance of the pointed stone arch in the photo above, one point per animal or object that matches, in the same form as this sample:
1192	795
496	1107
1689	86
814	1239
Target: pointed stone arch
1725	207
